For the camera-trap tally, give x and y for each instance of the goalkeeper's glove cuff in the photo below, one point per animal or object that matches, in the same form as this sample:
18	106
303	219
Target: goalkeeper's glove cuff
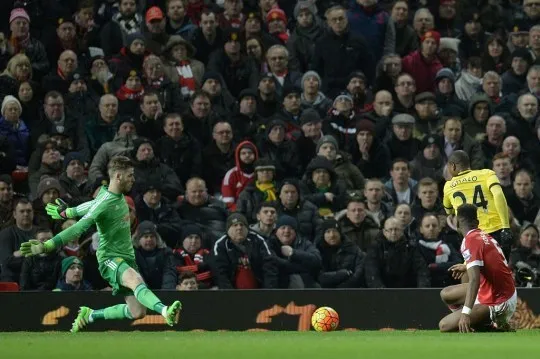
69	213
49	246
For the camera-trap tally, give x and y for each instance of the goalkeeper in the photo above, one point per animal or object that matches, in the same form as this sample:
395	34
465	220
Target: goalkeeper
115	254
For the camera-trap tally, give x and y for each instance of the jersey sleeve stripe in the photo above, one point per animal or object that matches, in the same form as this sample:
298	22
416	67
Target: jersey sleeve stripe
494	184
475	263
96	204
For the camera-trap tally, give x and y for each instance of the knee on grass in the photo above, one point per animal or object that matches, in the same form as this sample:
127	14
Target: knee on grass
445	327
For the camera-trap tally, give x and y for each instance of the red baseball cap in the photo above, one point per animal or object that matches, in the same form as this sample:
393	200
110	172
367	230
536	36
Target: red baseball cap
154	13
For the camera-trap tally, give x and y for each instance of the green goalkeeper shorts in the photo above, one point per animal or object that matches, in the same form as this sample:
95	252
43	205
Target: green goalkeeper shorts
112	269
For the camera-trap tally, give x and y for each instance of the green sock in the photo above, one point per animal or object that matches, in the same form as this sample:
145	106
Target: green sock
148	299
120	311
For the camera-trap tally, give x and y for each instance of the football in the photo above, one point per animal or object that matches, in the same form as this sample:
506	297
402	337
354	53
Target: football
325	319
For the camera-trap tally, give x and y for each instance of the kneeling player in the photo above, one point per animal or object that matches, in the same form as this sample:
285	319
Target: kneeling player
490	292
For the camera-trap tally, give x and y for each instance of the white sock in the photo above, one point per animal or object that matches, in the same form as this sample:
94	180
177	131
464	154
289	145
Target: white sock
164	311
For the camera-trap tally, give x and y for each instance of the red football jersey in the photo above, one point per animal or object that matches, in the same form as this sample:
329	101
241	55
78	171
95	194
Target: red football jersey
496	281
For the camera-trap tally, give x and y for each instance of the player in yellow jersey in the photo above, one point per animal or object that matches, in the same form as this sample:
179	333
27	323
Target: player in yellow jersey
483	189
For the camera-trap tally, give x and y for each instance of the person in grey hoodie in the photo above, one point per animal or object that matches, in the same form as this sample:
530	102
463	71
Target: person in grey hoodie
311	96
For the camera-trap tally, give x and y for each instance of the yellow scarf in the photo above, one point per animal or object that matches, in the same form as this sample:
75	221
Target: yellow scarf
268	189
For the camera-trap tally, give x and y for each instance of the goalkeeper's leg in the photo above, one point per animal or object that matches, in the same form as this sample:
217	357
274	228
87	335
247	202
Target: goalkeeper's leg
87	315
133	280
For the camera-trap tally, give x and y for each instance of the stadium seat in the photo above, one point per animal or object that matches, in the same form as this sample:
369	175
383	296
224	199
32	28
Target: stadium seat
9	287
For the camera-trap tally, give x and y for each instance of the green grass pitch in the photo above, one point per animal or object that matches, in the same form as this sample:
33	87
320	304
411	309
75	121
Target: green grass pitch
276	345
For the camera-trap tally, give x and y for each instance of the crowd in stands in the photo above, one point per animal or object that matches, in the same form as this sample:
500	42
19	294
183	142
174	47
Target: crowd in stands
276	144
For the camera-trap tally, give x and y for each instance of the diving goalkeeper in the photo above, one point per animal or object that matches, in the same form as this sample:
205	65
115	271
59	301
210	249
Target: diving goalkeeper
115	254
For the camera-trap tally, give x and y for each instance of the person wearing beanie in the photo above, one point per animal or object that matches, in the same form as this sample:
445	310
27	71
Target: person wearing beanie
242	259
342	260
73	178
71	277
276	19
151	254
309	28
360	93
14	129
189	255
48	190
130	93
424	64
515	78
323	188
448	53
148	169
340	121
278	143
311	123
131	56
262	188
297	259
312	97
6	201
346	171
115	34
238	71
429	161
369	154
446	98
21	42
151	206
246	120
238	177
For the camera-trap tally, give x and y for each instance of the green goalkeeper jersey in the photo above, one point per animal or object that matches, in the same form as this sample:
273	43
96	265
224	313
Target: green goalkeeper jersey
110	213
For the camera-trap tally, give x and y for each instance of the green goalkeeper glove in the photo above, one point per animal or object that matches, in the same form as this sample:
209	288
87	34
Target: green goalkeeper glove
58	210
34	247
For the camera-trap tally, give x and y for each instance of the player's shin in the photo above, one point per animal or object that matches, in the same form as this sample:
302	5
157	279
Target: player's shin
147	298
120	311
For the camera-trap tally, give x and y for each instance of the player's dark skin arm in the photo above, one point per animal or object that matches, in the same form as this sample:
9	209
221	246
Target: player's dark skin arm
472	292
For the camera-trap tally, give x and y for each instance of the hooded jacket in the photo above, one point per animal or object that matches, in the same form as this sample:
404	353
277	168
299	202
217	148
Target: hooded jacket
121	145
238	177
336	186
470	125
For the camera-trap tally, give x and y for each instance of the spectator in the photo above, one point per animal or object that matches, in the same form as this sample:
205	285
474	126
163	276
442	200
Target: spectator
322	187
342	260
523	202
23	42
187	281
448	54
403	213
281	150
429	162
11	237
311	96
341	121
526	255
178	149
241	266
151	254
428	116
370	155
346	172
155	79
261	189
79	99
356	225
383	106
6	201
40	272
131	92
200	119
515	78
307	31
148	169
480	110
48	190
127	21
72	276
293	204
178	21
405	89
311	123
15	130
269	102
446	98
103	126
401	143
368	19
298	260
221	99
401	187
18	70
218	156
182	67
455	139
339	52
438	254
74	179
122	144
151	120
152	207
423	22
154	32
276	19
470	79
495	55
50	166
474	36
58	79
238	72
241	175
247	122
207	212
291	110
130	57
429	201
266	219
376	208
424	64
502	165
208	37
232	15
406	38
395	262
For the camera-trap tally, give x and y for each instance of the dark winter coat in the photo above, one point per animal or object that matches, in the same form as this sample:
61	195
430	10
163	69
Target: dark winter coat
364	236
173	268
183	156
227	255
40	273
301	45
165	217
152	265
307	216
238	76
18	138
396	265
342	266
210	217
440	277
153	171
305	261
